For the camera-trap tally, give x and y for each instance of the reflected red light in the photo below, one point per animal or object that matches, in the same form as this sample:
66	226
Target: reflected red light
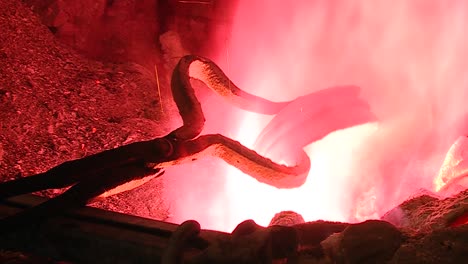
409	58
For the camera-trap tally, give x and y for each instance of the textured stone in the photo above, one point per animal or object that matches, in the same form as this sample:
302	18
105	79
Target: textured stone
287	218
426	213
368	242
115	31
448	245
1	152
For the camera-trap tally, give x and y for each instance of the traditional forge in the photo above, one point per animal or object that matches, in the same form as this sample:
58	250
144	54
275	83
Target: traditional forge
89	118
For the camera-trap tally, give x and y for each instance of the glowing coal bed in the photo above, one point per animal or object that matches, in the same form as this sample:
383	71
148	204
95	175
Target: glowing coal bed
409	59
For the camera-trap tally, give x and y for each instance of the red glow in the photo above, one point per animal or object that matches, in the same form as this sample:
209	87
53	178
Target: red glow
462	220
409	58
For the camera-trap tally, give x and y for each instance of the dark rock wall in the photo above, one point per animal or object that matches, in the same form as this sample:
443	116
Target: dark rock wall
129	30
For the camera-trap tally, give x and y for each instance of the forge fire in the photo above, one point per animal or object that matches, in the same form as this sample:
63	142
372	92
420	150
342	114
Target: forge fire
280	113
409	63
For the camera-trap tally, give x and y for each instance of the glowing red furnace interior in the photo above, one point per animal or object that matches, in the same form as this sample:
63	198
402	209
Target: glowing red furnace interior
408	57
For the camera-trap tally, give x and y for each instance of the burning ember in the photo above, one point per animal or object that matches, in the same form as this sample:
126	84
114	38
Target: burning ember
409	61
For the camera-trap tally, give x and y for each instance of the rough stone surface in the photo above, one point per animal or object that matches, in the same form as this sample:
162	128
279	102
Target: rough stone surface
426	213
115	31
447	245
57	105
123	30
287	218
370	242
